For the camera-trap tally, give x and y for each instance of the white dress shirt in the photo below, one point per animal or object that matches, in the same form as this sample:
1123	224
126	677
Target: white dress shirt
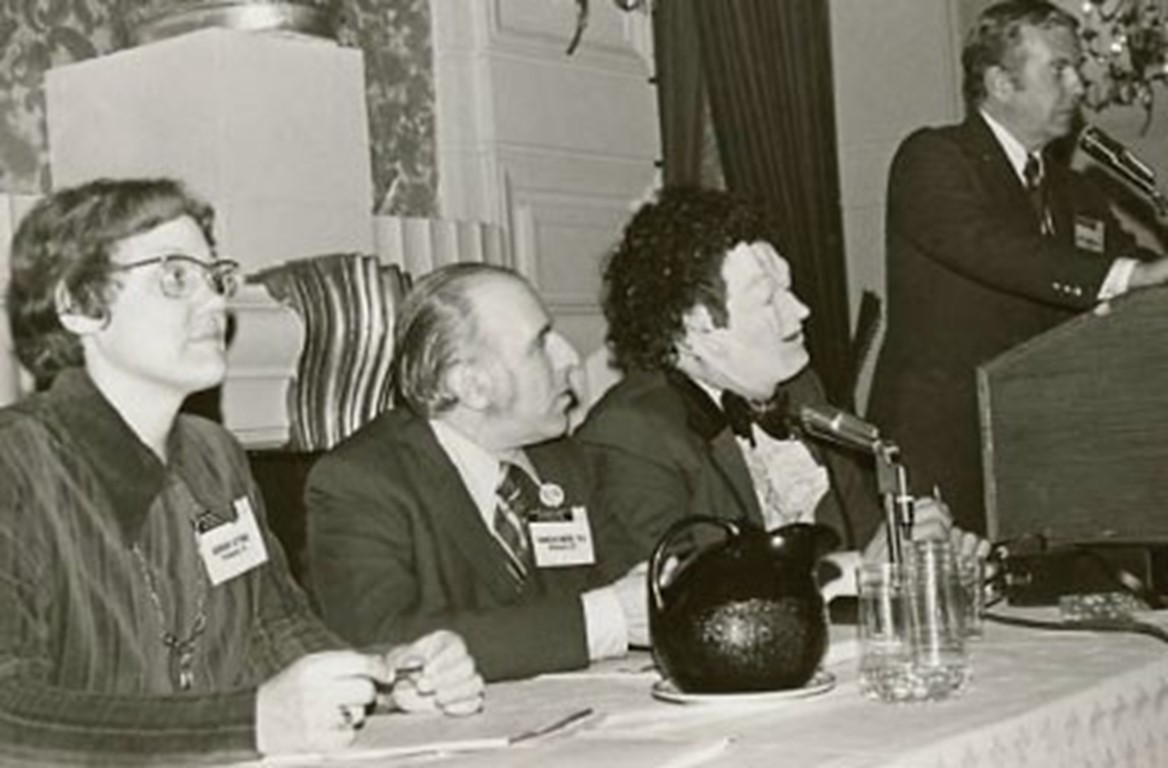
481	472
788	482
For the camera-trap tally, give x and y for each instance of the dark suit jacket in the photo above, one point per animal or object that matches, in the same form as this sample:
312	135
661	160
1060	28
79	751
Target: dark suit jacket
970	276
662	451
397	549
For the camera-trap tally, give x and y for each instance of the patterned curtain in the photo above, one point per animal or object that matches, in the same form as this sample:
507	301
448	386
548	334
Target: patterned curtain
767	68
33	38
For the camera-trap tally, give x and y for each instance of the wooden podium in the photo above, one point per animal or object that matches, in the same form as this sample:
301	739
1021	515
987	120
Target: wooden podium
1075	428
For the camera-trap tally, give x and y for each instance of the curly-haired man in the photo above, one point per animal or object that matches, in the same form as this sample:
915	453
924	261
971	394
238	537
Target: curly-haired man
705	327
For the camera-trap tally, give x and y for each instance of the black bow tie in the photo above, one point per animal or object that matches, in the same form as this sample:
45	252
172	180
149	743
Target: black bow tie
772	416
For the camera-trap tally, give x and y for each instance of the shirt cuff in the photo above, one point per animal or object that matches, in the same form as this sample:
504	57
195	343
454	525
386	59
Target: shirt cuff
843	583
604	624
1118	278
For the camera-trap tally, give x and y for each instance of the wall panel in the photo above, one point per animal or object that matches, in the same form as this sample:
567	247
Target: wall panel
555	149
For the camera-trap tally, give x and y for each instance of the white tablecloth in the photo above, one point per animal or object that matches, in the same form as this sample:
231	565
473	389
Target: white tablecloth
1038	698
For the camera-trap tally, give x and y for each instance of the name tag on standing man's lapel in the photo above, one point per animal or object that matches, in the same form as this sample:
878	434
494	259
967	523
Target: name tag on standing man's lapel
233	548
1089	234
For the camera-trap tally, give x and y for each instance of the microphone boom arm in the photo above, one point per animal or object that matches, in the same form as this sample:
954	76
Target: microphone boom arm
892	484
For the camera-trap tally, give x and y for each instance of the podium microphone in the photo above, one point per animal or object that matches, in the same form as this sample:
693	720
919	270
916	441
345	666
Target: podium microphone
1120	160
838	426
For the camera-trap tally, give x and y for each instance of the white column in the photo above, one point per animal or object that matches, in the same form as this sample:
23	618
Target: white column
272	129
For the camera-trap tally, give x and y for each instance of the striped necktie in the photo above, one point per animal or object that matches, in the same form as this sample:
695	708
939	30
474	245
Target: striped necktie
517	497
1035	180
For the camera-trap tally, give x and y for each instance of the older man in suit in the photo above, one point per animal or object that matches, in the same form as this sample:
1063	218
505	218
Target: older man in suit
466	508
990	241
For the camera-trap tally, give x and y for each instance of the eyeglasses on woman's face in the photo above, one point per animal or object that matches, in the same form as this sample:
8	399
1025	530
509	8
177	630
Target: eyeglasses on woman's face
179	275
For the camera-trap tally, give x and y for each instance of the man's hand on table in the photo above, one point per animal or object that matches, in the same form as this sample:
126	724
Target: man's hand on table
434	672
316	703
931	520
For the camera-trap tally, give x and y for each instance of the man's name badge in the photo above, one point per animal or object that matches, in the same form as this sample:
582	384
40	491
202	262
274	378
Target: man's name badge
235	547
1089	234
562	543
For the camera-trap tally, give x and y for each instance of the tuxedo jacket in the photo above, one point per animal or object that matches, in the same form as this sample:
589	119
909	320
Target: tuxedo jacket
663	451
397	548
970	275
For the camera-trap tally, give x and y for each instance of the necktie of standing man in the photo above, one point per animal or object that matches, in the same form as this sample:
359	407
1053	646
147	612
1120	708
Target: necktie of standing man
1035	180
517	498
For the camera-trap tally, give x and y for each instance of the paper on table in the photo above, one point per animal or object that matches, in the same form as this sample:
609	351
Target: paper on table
592	750
398	734
356	755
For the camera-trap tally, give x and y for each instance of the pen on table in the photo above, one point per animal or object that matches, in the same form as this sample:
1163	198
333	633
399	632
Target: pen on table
563	722
408	671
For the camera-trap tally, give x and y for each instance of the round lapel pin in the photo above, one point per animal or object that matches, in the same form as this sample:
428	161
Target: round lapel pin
551	495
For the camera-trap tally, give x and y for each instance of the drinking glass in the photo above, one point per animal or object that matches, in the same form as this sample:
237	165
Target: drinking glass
912	627
971	573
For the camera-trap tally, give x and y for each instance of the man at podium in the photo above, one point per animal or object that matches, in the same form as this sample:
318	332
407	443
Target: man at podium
990	240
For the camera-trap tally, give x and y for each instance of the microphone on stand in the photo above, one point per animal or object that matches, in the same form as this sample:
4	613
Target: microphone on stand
838	426
827	422
1120	160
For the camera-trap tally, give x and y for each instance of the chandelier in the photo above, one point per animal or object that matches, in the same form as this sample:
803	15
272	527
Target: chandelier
1125	49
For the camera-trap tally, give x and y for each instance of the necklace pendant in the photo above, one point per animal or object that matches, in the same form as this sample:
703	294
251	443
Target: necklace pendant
182	658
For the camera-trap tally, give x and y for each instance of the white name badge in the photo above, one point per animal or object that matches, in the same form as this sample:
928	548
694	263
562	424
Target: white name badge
1089	234
233	548
562	543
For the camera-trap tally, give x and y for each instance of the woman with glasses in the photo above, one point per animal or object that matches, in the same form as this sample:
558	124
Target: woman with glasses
145	609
